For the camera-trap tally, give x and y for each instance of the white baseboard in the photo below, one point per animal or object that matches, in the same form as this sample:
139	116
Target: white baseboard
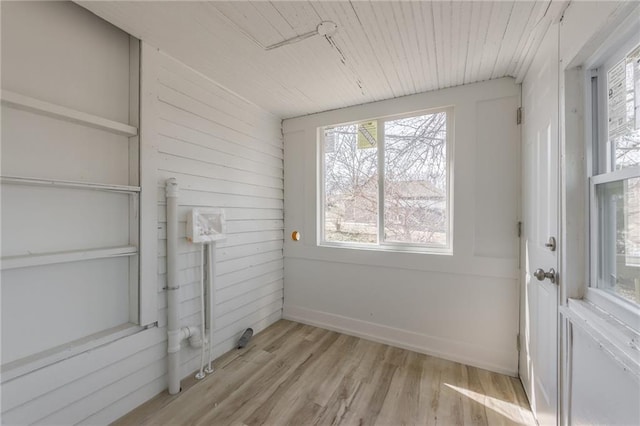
461	352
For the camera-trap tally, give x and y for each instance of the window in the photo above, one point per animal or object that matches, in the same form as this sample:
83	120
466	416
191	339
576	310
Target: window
386	183
615	180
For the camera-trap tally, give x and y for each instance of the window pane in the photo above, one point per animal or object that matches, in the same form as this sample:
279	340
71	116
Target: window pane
351	183
619	235
623	85
415	167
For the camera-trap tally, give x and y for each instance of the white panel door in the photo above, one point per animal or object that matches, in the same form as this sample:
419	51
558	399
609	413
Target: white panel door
539	301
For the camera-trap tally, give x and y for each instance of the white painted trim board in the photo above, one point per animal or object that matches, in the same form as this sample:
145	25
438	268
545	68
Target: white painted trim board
446	349
16	100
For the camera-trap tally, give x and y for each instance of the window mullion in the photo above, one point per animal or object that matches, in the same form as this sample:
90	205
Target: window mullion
322	193
381	148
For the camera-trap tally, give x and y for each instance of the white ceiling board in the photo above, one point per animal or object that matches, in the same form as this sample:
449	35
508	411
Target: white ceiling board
483	16
300	15
382	49
415	42
261	21
535	17
425	23
517	20
356	45
436	23
552	14
495	35
447	22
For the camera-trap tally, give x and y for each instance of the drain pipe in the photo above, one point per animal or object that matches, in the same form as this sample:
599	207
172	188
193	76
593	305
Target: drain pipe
173	288
211	302
175	334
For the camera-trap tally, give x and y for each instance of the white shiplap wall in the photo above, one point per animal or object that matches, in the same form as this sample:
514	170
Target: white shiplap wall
225	152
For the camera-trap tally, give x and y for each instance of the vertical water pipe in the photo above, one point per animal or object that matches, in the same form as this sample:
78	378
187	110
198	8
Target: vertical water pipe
211	300
173	287
200	375
176	334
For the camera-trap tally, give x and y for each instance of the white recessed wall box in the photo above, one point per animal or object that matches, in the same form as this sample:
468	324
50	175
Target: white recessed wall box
206	225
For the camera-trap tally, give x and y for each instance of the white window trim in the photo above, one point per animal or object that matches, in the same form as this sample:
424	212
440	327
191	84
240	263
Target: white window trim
617	307
614	337
622	42
446	249
148	68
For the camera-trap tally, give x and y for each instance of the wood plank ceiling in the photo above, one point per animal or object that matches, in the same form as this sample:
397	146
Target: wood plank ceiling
381	50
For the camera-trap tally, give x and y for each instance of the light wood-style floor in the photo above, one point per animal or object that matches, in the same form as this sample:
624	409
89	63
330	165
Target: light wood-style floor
295	374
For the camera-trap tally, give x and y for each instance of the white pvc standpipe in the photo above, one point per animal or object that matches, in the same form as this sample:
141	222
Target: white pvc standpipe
201	374
175	334
173	287
211	251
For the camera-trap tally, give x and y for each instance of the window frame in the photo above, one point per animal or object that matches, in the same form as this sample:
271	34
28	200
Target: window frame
612	51
619	307
381	244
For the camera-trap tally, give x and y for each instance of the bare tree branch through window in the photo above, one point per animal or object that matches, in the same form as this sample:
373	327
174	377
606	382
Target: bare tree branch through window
414	184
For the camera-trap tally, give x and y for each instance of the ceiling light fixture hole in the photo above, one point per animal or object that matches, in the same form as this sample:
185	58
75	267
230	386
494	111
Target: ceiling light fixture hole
327	28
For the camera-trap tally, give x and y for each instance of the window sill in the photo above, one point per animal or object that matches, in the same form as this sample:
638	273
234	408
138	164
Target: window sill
616	338
391	248
617	307
28	364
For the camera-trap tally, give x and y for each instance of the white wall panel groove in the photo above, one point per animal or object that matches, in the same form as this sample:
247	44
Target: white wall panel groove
221	183
202	199
203	124
228	158
199	167
174	129
221	157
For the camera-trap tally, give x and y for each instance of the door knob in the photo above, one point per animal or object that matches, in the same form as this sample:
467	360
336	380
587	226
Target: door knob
540	274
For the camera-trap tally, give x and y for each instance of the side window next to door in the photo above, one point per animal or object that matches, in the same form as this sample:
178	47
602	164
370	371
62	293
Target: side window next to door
615	180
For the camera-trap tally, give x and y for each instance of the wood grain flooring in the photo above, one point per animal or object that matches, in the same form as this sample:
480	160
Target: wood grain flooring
295	374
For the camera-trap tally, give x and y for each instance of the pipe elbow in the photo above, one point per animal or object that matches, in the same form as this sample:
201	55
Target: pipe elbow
176	337
195	339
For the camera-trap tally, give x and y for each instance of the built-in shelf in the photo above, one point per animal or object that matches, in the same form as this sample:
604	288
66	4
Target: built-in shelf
40	259
16	180
27	103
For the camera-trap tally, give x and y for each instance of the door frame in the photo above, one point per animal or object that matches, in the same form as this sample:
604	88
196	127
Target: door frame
555	26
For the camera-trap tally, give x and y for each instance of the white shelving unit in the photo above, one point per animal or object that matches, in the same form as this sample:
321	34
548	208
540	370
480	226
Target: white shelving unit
27	103
39	259
18	101
16	180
